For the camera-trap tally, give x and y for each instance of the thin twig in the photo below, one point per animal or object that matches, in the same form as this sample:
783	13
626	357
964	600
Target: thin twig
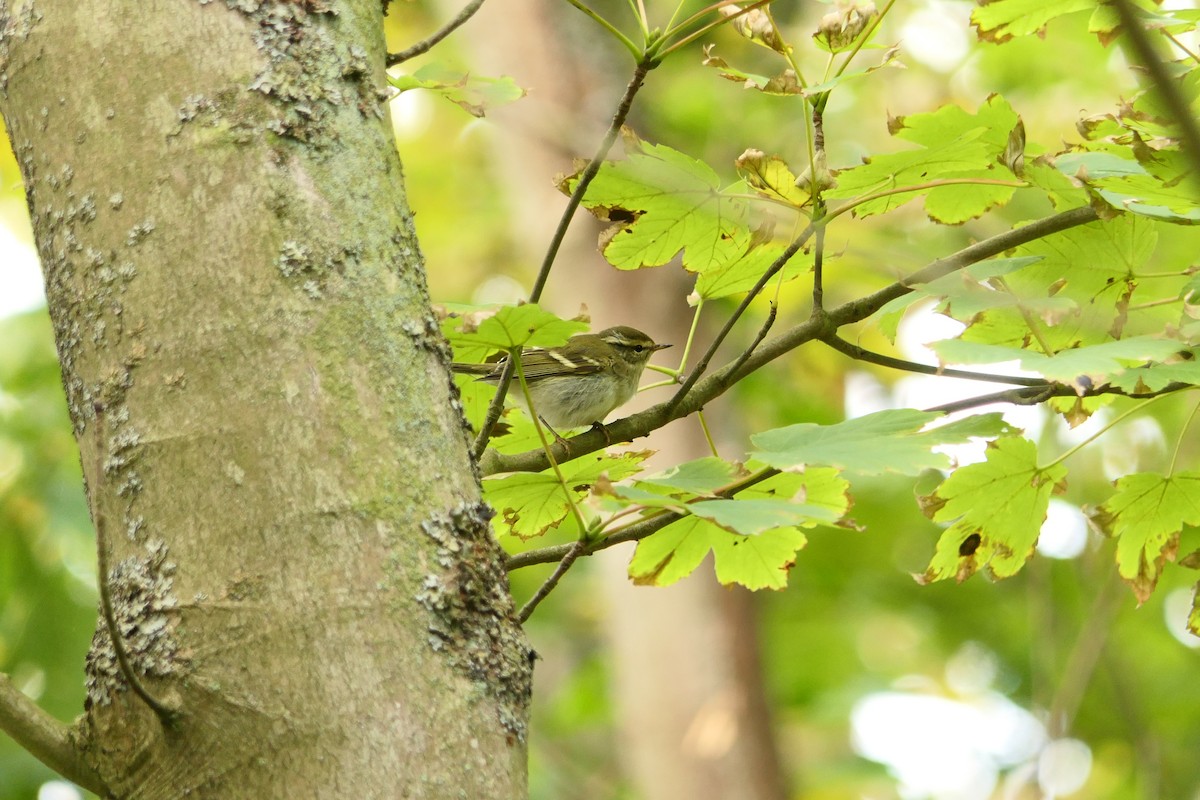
762	334
589	173
572	553
814	190
585	178
423	46
45	738
165	711
818	290
1026	396
861	354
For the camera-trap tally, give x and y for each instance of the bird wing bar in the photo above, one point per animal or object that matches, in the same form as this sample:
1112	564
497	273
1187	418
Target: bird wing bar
552	363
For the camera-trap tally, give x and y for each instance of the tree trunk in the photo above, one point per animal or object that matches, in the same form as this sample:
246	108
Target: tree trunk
301	571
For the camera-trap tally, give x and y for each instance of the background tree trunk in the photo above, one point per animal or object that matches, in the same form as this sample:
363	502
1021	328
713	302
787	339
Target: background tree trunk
691	711
299	560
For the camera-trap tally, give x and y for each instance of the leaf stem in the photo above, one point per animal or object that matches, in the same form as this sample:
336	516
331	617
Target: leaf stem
708	437
1030	321
1103	430
1179	441
918	187
608	26
537	426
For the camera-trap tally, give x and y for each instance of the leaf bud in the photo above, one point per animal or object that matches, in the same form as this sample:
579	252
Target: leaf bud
756	25
839	30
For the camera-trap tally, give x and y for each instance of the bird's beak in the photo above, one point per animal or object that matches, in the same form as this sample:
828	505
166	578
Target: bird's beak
660	347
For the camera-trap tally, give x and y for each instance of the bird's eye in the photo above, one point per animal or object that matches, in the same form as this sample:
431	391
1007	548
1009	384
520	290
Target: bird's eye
637	348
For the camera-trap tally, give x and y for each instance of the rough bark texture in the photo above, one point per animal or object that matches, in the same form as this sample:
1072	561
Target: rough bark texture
298	557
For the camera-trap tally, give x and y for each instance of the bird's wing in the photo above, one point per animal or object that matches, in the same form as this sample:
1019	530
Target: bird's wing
551	363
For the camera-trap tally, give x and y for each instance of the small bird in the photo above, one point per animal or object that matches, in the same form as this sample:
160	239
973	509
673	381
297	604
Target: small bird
580	382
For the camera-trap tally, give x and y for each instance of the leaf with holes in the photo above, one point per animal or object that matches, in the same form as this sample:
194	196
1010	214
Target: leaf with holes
997	508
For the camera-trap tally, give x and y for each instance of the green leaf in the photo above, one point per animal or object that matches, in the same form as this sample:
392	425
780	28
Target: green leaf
756	561
737	271
1097	363
529	504
700	477
886	441
965	293
998	507
475	94
954	145
1127	186
1146	515
751	517
771	177
519	326
676	205
1002	20
1156	376
1096	266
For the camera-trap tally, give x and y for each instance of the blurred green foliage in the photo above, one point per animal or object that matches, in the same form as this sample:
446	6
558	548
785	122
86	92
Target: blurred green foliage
47	555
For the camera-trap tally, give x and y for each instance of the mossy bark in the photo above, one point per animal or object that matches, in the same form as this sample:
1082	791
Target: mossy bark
299	559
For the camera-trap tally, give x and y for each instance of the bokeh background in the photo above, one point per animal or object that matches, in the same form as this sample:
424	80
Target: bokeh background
855	682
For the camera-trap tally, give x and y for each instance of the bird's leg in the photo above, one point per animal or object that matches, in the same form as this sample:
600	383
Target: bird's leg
599	426
557	438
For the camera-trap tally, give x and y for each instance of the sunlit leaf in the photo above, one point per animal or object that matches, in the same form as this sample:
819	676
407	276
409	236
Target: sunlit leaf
886	441
1001	20
959	154
1146	516
526	325
997	507
757	561
668	203
529	504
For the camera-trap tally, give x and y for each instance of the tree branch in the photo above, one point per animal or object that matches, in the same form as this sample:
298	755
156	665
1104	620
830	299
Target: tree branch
573	552
861	354
423	46
45	738
703	391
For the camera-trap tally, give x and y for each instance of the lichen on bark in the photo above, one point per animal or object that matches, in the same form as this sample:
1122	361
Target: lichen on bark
472	619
